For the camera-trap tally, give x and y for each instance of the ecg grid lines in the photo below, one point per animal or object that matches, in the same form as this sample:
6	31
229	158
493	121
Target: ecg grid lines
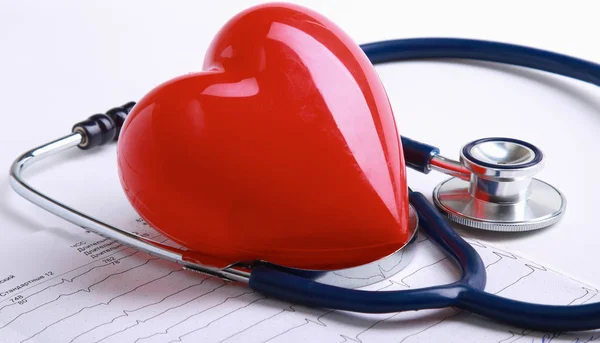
140	298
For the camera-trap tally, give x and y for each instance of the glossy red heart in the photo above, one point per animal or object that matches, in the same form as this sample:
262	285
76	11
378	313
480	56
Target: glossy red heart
284	148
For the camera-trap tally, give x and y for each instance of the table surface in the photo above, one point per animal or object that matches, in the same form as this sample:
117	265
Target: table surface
62	61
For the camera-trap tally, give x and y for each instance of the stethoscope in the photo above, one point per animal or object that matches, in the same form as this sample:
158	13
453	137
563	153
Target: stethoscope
492	188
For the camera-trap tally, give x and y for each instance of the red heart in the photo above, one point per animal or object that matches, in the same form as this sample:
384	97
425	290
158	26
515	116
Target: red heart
283	149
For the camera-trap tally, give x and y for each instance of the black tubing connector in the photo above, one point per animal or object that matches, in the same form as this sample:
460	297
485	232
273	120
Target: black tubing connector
102	128
417	155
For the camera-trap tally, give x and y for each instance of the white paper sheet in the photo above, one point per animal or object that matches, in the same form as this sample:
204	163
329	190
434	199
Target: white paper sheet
83	288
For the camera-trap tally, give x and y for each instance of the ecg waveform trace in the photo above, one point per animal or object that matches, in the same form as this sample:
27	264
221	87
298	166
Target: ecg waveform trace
129	296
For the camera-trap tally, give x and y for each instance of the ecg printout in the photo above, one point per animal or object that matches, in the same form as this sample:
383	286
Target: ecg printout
84	288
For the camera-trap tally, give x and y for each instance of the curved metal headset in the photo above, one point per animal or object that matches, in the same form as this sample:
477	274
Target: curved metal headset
467	293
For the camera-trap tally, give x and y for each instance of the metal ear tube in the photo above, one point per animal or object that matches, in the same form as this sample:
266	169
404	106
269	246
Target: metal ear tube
103	128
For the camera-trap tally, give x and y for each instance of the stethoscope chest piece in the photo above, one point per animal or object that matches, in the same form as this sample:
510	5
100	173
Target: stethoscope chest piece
502	194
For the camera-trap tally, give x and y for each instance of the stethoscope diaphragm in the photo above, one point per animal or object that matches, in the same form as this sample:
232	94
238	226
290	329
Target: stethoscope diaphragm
501	194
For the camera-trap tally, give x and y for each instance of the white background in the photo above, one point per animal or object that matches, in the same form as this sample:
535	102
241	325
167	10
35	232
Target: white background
62	61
